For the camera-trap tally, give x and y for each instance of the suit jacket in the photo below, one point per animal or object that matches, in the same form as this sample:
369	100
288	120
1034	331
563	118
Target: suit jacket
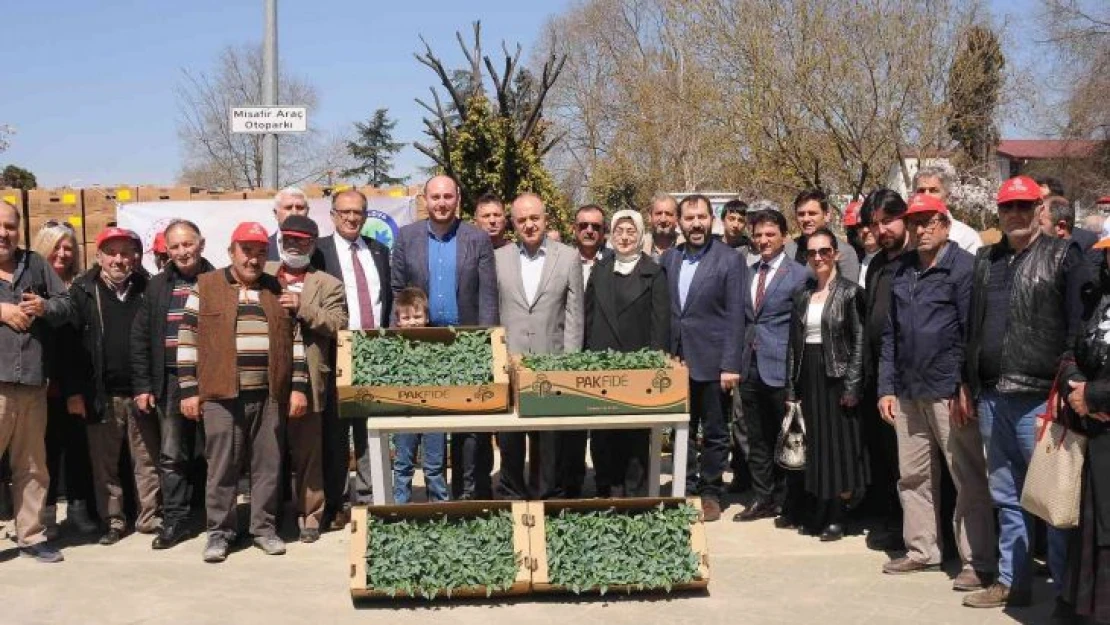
552	324
325	249
475	276
643	322
323	313
768	328
706	332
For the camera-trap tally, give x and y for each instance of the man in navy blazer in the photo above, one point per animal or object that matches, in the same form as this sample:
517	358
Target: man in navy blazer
348	211
452	261
768	304
706	280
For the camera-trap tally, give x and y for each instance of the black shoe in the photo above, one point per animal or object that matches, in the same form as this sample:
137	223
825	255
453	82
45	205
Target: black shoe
784	522
761	509
170	535
834	531
884	540
111	537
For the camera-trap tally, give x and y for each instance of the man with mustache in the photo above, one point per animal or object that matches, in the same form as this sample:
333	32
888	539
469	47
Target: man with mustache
664	233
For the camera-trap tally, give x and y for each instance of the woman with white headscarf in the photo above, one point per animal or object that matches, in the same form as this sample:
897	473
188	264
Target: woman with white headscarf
627	308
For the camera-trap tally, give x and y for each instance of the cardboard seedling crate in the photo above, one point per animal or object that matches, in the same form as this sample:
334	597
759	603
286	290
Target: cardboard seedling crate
585	393
540	510
361	402
454	510
103	200
164	194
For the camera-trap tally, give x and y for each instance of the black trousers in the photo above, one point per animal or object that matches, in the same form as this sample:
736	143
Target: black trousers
738	435
471	465
620	462
66	439
557	451
177	456
709	410
338	435
764	409
882	449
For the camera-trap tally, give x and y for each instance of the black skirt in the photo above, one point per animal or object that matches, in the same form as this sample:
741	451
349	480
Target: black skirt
836	459
1087	583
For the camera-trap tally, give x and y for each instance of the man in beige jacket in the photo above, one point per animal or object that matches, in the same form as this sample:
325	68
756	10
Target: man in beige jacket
319	303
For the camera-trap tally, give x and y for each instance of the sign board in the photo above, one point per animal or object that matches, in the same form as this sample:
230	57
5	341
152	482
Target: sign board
269	119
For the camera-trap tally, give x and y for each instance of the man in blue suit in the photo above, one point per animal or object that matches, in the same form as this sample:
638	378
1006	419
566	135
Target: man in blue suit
706	281
452	262
768	304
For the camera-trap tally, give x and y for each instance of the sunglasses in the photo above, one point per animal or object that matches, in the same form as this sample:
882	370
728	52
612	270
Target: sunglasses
824	252
582	225
54	223
1017	205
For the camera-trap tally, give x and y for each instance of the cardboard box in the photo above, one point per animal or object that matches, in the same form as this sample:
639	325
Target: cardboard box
164	194
361	402
207	195
359	543
13	196
45	205
540	510
585	393
103	200
260	194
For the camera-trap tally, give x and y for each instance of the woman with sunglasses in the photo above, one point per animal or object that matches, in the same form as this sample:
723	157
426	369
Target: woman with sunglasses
65	433
824	365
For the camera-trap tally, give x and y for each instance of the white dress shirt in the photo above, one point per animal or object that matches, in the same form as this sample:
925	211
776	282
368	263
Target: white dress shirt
774	265
863	265
343	251
531	268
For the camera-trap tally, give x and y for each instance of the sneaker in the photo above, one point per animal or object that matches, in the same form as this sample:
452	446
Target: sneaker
271	545
77	513
111	537
42	552
216	549
309	535
998	595
49	520
969	579
907	565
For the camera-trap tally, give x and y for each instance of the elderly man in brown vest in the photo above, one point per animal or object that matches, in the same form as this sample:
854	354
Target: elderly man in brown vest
241	367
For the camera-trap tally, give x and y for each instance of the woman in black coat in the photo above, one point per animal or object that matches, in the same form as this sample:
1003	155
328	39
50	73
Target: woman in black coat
628	308
824	371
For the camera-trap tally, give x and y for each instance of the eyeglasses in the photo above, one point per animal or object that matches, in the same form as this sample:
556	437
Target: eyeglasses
928	225
824	252
351	214
583	225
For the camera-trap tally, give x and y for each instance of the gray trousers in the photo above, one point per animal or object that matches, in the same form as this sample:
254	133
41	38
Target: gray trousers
122	420
243	433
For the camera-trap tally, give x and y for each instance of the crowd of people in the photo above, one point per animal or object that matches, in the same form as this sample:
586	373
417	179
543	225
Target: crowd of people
905	343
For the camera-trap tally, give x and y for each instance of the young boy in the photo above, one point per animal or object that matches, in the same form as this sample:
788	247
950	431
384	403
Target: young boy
411	309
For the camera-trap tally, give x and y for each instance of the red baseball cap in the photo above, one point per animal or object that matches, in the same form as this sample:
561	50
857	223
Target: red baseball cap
159	246
1103	200
250	232
1019	188
110	234
851	213
922	203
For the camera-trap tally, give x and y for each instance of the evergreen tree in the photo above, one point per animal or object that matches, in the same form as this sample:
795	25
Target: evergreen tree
974	83
18	178
374	149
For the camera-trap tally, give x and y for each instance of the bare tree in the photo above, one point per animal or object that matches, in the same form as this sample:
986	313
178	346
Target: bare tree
6	133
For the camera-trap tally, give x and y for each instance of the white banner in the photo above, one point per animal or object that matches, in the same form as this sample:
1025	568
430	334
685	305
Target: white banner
217	219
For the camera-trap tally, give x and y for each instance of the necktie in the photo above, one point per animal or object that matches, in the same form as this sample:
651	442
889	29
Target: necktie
365	303
761	286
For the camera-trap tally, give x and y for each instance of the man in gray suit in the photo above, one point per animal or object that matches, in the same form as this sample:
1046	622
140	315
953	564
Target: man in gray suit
540	285
452	262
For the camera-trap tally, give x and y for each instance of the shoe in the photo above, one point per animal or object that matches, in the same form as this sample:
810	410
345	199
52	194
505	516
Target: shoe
998	595
77	513
784	522
833	532
271	545
111	537
153	528
906	565
710	510
341	519
309	535
762	509
216	549
1064	614
885	540
170	535
42	552
969	579
49	520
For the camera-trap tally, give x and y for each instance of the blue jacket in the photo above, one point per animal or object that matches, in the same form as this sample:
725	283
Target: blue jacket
706	331
923	344
768	328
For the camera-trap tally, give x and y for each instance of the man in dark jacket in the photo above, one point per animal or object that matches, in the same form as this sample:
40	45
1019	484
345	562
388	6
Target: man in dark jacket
154	374
920	370
1026	308
105	301
706	280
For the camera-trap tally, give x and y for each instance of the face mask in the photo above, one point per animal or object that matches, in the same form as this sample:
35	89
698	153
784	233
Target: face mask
293	260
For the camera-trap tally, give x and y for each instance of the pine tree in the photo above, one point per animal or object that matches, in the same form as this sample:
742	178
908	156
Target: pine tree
374	149
974	83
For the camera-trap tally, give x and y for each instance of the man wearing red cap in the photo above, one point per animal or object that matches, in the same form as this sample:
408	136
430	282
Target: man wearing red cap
105	302
920	371
1026	307
241	367
158	249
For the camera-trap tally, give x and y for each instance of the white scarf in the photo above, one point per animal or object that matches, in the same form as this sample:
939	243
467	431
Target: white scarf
624	264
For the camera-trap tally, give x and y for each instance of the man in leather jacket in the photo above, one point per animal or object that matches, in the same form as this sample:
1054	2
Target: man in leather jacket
1025	309
919	377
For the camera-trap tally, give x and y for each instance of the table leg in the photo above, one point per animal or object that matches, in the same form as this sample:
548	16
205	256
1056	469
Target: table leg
381	473
655	460
681	443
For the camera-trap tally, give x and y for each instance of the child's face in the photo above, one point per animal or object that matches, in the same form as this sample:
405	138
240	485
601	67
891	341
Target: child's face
411	317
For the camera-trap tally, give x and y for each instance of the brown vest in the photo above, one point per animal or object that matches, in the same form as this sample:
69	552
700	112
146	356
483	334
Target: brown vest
217	368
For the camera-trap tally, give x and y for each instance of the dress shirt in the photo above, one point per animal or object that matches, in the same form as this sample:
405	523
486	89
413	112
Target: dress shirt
686	272
863	265
531	269
772	267
443	305
343	251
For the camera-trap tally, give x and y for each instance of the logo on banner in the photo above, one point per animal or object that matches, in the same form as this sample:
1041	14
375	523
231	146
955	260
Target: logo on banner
380	227
152	231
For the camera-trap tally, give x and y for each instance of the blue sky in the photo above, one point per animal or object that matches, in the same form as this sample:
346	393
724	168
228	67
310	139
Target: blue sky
89	86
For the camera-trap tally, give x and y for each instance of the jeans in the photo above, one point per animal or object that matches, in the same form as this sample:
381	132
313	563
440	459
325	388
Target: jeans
177	456
404	465
1008	422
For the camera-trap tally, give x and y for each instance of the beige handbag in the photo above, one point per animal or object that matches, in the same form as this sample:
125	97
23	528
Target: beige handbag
1054	481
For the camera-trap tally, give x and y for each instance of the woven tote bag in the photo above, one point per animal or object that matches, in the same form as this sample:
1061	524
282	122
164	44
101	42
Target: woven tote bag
1054	482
